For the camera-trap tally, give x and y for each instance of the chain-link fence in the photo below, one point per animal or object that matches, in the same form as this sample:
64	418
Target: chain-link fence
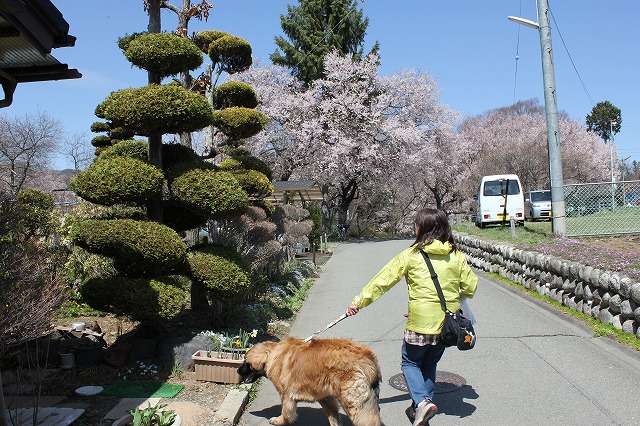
602	208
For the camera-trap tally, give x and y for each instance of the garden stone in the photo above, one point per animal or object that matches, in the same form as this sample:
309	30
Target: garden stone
595	311
630	326
627	308
594	277
569	286
557	281
636	314
564	268
574	271
586	308
603	281
634	293
597	298
579	290
178	350
616	321
614	283
606	297
615	304
605	316
625	287
587	292
585	273
579	305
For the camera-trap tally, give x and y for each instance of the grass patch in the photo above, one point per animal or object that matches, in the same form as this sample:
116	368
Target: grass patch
599	329
530	233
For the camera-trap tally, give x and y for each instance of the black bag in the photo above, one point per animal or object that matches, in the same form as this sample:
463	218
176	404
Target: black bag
456	329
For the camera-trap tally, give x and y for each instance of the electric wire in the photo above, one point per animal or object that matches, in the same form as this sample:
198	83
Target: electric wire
584	87
515	77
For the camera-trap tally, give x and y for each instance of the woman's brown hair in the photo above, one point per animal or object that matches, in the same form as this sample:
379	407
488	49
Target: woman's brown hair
432	224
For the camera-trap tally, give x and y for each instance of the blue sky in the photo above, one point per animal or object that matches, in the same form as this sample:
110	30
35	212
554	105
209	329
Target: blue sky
468	45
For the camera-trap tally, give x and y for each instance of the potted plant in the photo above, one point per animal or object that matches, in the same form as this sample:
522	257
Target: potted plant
150	416
221	363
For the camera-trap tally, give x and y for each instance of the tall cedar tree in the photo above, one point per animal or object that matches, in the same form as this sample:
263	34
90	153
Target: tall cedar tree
314	28
600	120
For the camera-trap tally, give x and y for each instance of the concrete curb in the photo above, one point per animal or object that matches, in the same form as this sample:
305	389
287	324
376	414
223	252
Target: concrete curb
231	409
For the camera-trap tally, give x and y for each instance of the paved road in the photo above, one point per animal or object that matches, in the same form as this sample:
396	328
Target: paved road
531	365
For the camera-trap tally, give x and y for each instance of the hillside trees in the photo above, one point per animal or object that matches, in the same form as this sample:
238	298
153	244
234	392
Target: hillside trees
315	28
513	140
27	144
170	188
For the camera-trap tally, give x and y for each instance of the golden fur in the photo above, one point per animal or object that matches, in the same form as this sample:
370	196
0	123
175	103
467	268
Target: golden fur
329	371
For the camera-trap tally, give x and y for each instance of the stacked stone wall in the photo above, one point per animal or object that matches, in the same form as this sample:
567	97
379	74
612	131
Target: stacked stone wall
609	297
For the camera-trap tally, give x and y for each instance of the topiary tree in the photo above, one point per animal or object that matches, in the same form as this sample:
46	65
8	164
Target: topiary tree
176	188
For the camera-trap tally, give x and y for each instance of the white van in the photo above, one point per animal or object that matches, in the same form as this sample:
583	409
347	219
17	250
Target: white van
497	195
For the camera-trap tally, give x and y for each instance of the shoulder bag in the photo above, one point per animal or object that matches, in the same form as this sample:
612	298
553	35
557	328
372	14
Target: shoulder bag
456	329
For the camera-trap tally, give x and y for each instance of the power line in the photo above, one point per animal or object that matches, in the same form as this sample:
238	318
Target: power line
571	59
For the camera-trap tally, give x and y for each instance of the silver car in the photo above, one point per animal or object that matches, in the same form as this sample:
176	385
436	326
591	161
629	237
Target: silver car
537	205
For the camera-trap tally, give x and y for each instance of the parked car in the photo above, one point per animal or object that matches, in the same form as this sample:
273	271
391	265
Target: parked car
497	195
537	205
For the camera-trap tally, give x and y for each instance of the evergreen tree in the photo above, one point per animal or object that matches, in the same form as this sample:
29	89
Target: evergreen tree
605	120
316	27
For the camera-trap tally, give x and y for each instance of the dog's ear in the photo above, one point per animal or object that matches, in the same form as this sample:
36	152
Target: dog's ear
258	356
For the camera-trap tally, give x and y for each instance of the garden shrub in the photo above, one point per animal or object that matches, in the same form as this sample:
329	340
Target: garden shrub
141	299
163	54
117	180
100	126
238	122
130	148
235	93
234	53
214	194
156	109
101	140
138	248
204	38
220	270
121	133
254	183
250	162
175	153
34	212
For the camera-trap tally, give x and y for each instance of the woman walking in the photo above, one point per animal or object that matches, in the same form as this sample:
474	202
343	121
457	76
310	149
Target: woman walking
422	349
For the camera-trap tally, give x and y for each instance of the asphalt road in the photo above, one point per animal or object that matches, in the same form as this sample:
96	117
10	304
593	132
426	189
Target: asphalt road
532	365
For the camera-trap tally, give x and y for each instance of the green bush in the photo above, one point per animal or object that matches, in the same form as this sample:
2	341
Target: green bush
204	38
163	54
131	148
120	133
123	42
213	194
254	183
100	126
156	109
230	165
101	140
149	300
118	180
221	270
233	53
174	153
265	205
250	162
235	93
34	210
137	248
239	123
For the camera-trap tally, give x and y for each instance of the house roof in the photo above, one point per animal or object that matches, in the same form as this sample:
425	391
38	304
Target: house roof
300	190
29	30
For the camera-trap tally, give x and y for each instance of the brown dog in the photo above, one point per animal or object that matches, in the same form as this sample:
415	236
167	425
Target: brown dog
329	371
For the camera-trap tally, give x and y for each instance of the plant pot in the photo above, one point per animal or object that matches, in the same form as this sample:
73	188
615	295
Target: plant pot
127	420
67	360
214	369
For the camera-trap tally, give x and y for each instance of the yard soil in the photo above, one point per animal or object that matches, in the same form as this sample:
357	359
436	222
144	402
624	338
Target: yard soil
623	244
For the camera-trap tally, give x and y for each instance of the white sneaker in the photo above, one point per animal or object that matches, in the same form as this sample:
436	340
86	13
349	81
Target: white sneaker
425	411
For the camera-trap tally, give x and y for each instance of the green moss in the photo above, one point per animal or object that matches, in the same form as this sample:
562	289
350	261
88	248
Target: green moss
221	270
118	180
239	123
154	300
163	54
137	248
155	109
213	194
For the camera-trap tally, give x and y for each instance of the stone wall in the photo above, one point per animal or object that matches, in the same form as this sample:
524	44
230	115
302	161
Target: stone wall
607	296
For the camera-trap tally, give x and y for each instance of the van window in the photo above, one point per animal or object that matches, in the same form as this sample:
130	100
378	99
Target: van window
540	196
498	187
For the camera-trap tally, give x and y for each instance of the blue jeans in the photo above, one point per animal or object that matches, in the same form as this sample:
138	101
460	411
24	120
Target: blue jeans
419	368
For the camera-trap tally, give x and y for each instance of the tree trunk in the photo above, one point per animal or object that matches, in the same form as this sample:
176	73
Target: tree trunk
155	158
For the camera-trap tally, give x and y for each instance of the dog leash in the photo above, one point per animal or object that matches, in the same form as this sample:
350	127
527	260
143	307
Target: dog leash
328	326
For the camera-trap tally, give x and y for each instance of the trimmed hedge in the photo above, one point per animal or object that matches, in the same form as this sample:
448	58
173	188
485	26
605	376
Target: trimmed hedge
254	183
138	248
233	53
100	126
121	133
136	149
156	109
149	300
163	54
266	205
101	140
235	93
216	195
220	270
238	122
174	153
250	162
204	38
118	180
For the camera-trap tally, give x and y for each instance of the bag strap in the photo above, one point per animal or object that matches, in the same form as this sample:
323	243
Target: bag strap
434	277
